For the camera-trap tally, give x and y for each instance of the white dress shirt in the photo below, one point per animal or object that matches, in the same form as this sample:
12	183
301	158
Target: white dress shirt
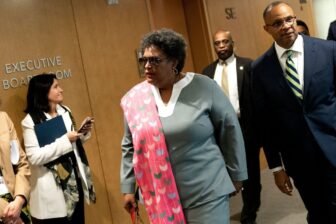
297	57
231	64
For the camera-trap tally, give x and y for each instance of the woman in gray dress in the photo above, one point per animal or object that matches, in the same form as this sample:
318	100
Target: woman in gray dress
182	143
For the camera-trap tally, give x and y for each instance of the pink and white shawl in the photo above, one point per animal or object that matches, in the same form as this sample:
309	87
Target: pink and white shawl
151	162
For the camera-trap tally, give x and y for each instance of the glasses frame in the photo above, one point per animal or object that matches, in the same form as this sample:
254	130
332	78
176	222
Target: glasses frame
278	24
153	61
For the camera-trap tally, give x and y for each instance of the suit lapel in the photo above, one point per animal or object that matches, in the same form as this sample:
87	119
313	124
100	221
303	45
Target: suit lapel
309	62
278	74
212	69
240	74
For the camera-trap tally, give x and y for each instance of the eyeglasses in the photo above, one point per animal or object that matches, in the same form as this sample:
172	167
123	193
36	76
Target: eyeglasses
151	60
225	42
277	24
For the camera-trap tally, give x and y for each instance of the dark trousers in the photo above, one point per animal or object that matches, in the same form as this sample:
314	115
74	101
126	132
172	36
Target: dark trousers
252	186
315	179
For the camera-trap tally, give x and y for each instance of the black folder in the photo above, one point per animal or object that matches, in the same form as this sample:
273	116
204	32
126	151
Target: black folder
47	132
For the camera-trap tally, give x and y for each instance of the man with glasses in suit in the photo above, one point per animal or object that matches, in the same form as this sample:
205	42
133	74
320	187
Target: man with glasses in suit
294	86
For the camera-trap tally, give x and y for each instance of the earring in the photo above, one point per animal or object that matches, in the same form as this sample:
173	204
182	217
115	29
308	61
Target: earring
175	71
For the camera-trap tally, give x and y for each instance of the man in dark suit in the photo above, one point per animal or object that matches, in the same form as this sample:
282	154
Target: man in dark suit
332	31
294	93
237	69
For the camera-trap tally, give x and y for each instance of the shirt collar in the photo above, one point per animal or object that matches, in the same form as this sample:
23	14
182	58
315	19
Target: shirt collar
297	47
228	60
60	110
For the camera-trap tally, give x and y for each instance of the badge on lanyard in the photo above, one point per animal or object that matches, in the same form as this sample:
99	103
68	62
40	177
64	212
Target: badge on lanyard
15	153
3	187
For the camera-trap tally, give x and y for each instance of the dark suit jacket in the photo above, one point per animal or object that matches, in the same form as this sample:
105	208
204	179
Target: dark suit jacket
291	127
332	31
247	121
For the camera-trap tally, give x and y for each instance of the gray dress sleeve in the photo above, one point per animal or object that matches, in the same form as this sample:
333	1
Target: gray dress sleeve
127	178
228	135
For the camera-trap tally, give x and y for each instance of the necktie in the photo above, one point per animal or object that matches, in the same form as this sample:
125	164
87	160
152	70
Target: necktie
225	79
292	75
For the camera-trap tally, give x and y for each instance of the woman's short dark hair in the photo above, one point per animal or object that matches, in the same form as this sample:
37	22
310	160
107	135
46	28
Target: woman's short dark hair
38	90
171	43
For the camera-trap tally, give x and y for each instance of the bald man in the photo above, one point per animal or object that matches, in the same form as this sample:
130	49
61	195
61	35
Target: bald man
238	73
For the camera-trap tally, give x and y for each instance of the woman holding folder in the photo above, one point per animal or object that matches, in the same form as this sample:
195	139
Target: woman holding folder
61	176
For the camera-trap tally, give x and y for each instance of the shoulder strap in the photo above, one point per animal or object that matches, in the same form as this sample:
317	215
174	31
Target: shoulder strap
71	117
38	117
66	109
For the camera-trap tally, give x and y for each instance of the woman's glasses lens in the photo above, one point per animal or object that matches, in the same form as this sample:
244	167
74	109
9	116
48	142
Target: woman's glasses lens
151	60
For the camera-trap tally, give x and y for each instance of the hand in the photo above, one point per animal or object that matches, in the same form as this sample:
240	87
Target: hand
14	221
11	213
129	202
283	182
73	136
238	185
86	125
19	221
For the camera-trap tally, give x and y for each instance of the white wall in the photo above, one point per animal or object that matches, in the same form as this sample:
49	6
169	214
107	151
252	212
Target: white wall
324	13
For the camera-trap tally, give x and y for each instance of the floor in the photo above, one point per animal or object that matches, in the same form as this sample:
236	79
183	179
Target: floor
276	207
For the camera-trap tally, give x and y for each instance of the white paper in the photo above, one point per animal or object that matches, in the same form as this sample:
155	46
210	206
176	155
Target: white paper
3	187
15	153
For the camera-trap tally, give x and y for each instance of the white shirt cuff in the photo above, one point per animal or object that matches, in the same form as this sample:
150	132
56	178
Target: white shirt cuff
278	168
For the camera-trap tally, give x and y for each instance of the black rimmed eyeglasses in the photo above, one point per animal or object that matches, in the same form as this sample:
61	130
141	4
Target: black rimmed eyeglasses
151	60
277	24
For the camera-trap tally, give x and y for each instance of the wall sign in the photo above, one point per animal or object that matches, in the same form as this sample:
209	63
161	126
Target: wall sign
17	74
230	13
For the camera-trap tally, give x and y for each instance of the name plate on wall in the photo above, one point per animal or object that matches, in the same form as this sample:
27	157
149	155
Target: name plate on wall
112	2
17	74
230	13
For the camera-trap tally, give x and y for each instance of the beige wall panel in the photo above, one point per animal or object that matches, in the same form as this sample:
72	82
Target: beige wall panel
199	37
29	30
109	36
170	14
239	26
34	29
